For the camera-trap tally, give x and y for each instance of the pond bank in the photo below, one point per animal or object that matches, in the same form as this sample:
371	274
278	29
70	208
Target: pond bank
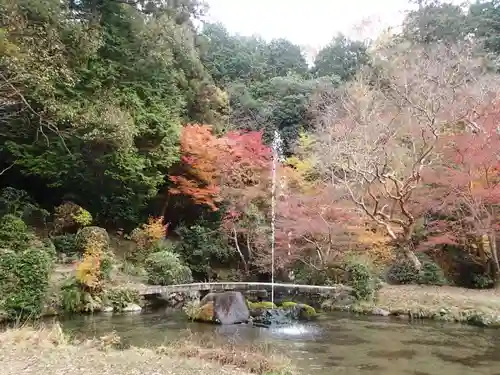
47	351
444	303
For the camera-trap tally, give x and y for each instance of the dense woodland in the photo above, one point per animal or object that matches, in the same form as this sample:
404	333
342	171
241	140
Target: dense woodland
121	114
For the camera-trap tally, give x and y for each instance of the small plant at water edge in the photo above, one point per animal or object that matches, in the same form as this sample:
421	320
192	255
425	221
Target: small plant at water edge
119	298
192	309
75	299
361	278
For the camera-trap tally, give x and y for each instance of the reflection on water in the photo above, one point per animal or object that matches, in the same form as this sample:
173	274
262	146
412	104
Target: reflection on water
336	344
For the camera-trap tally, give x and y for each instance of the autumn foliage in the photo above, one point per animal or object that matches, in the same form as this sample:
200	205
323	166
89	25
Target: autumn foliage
466	184
199	180
218	168
443	188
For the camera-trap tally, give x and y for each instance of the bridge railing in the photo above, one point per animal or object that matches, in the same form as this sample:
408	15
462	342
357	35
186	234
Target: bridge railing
221	286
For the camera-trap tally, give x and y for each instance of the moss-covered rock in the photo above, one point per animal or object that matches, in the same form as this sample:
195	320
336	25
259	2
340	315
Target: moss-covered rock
261	305
206	313
302	311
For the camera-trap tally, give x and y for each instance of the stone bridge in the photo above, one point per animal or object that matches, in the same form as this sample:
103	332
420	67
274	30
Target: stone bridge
241	286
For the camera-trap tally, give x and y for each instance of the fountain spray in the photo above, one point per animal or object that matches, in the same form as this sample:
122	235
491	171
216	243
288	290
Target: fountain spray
277	156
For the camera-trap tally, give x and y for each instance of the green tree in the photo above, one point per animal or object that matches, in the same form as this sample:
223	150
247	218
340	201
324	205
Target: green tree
436	21
94	109
342	57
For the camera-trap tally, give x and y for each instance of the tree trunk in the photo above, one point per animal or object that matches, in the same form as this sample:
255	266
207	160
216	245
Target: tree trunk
412	258
242	257
494	256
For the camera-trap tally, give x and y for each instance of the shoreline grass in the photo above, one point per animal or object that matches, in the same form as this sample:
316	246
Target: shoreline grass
443	303
48	350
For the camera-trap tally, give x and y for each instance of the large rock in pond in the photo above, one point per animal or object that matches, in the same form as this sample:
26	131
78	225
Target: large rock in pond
228	307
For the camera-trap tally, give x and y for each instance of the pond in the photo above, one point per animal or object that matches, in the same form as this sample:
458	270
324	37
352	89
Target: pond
334	344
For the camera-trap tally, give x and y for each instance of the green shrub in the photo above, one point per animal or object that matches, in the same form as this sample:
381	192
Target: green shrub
132	269
24	280
65	244
360	276
14	233
404	272
482	281
202	247
307	275
107	265
44	244
165	268
95	235
69	217
19	203
431	274
71	296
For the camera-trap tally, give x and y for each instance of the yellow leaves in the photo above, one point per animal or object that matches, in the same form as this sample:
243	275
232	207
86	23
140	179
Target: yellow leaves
82	217
88	271
376	244
301	169
149	233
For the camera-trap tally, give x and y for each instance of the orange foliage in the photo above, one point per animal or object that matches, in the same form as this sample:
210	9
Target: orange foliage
148	234
200	151
229	167
376	244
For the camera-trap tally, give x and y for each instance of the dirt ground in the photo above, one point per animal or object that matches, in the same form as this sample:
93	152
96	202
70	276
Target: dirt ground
438	296
47	351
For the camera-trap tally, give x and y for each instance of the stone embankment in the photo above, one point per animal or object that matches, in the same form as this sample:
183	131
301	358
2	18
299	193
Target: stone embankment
443	303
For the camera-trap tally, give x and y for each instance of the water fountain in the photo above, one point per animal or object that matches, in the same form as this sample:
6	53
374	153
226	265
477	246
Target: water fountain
277	148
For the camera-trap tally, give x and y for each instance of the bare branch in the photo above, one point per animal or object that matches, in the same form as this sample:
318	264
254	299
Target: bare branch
6	169
378	134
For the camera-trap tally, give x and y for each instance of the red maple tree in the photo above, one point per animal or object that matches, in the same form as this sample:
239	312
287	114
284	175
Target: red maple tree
466	188
245	183
314	228
234	169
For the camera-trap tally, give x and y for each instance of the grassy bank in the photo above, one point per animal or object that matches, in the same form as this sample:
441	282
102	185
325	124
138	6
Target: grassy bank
471	306
45	351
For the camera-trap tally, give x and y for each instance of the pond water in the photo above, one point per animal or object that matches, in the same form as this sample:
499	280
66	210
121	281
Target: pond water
334	344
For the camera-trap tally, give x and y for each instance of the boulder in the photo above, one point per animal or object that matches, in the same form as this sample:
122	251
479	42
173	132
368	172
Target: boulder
206	313
228	307
107	309
380	312
132	307
299	311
